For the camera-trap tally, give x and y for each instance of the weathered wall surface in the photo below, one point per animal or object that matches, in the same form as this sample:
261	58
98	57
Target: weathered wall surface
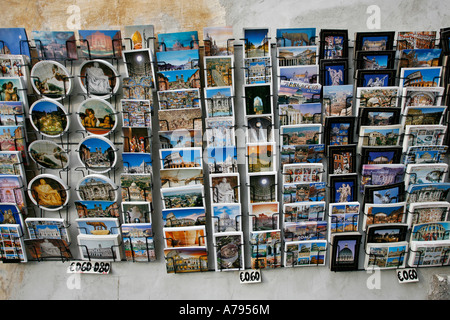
49	280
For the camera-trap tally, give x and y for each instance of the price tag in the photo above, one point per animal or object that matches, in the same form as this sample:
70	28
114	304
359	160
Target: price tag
407	275
250	276
89	267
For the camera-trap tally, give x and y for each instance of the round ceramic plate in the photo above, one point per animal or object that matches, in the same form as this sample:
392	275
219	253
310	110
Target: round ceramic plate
97	154
48	154
48	192
51	80
96	187
99	78
97	116
49	117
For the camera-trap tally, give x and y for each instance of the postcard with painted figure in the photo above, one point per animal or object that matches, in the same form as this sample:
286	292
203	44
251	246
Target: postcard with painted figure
257	70
297	56
423	115
304	211
264	216
12	243
371	136
15	65
333	43
226	217
136	187
11	214
421	96
184	217
375	78
181	177
295	37
138	242
377	97
423	135
343	217
261	157
262	187
194	236
333	72
427	192
424	173
218	41
136	211
416	58
421	77
256	42
429	254
13	89
171	120
416	40
384	213
308	74
219	102
260	129
386	255
219	71
338	100
175	41
305	253
306	172
186	260
300	113
222	159
182	197
139	37
229	251
225	188
220	132
265	249
427	212
345	251
425	154
381	174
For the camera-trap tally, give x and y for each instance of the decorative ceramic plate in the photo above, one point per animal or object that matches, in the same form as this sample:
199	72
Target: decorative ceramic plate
97	187
97	116
49	118
48	192
48	154
97	154
51	80
99	78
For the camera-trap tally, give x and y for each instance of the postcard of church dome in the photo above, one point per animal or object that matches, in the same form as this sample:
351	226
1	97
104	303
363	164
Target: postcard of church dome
100	44
262	187
256	42
55	45
193	236
136	212
42	249
225	188
100	247
305	253
429	254
183	197
386	255
384	213
258	99
304	211
98	226
218	41
48	228
180	177
184	217
175	41
421	77
13	246
345	251
229	251
424	212
424	173
226	217
139	37
219	71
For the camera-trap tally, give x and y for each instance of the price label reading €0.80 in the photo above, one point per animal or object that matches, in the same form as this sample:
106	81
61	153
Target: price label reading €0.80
89	267
250	276
407	275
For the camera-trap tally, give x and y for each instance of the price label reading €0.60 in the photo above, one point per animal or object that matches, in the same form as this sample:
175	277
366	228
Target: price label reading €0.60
250	276
407	275
89	267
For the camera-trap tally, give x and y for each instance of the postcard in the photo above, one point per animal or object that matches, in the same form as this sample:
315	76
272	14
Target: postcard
423	115
181	158
180	177
136	187
97	116
424	173
47	154
375	136
343	217
13	89
222	159
138	242
97	154
345	251
261	157
307	172
14	41
219	71
379	116
308	74
374	41
220	132
305	253
49	118
430	231
257	42
98	226
184	217
338	100
375	60
291	114
377	97
183	197
339	130
301	134
343	188
226	217
11	163
11	214
334	72
294	92
97	187
218	41
304	211
386	255
136	113
100	44
381	213
55	45
292	37
179	99
138	88
381	174
177	60
171	120
387	194
13	138
375	78
421	96
40	249
186	259
297	55
11	237
184	236
429	254
342	159
385	233
225	188
98	78
16	65
139	37
302	153
262	187
333	43
257	70
229	251
136	211
421	77
264	216
137	162
411	58
258	99
304	231
444	40
299	192
137	139
174	41
138	63
423	135
380	155
425	154
219	102
99	209
265	249
49	192
100	247
416	40
180	139
178	79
